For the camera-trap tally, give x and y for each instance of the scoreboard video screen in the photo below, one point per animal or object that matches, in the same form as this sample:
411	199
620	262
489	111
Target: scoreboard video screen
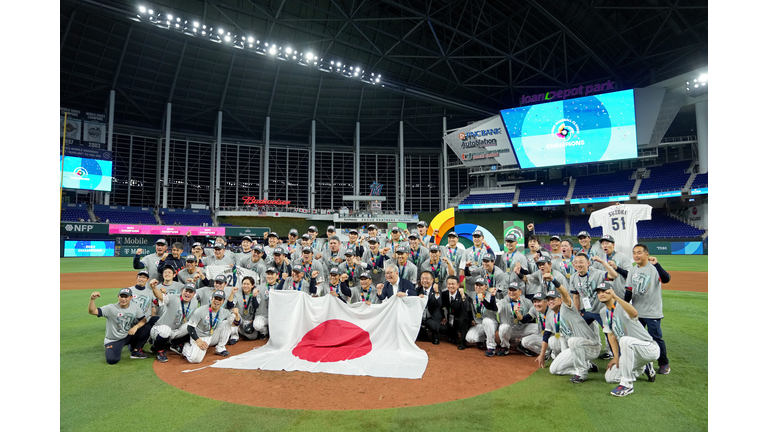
88	174
595	128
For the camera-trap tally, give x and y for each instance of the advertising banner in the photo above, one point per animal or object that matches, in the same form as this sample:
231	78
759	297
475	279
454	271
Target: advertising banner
73	127
83	228
88	248
517	228
482	143
659	248
165	230
246	231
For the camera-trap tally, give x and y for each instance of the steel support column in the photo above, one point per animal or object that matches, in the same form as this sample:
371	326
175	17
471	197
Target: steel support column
167	153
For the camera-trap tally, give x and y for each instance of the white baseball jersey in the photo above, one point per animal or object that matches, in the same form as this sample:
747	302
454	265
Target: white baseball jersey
620	221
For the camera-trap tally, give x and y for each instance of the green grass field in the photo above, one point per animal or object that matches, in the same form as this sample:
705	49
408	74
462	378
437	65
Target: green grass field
94	394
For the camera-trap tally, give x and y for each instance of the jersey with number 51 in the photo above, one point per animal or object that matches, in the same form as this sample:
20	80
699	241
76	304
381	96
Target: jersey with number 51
620	221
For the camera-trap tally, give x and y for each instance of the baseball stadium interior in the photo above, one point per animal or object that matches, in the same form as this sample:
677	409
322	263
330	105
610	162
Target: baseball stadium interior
229	122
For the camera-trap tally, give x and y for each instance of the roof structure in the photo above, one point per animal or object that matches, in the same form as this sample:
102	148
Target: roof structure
462	59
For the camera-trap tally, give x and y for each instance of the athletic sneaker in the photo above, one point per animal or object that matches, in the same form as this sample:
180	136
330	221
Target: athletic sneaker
501	352
489	352
525	351
232	342
138	354
664	370
161	357
622	391
577	379
462	346
592	367
650	372
224	353
177	348
606	356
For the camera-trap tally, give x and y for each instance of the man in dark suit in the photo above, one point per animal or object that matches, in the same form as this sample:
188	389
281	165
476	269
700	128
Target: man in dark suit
432	315
456	314
395	285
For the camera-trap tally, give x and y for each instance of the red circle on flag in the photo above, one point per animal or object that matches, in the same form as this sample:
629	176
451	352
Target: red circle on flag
332	341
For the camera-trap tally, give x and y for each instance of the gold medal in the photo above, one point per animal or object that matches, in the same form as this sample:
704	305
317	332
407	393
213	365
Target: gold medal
516	321
375	271
542	332
479	315
437	280
567	275
557	335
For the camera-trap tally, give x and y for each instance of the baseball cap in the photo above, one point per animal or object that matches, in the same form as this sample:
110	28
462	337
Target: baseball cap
218	246
191	287
543	259
191	258
510	238
306	237
258	247
434	248
538	296
608	238
554	238
452	234
489	257
272	234
298	269
372	226
125	291
333	238
421	223
553	294
161	241
220	278
168	266
365	275
306	249
248	238
349	252
604	286
400	249
477	233
481	281
294	231
142	272
219	293
331	228
335	271
395	229
373	240
516	285
353	231
196	244
271	270
278	251
413	236
583	234
312	228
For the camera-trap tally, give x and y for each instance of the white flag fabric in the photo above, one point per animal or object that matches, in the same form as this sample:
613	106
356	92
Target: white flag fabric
324	334
234	278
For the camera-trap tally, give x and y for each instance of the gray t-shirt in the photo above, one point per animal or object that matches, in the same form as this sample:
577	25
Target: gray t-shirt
175	312
360	295
453	254
529	256
497	279
120	320
259	267
474	256
184	275
143	298
479	307
584	286
353	273
224	261
564	266
150	264
507	311
418	256
646	291
205	322
623	262
536	282
622	325
374	264
569	322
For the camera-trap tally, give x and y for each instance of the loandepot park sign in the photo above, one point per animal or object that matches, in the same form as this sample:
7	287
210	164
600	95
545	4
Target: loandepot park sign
579	91
484	142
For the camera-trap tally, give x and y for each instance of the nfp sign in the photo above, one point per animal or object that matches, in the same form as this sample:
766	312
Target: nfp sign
579	91
83	228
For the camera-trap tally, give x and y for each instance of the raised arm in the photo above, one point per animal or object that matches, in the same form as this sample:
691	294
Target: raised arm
92	309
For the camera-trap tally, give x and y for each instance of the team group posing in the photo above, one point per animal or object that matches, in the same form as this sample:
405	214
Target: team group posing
546	304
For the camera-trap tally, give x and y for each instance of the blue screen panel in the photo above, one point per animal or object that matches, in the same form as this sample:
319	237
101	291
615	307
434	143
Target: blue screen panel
88	248
88	174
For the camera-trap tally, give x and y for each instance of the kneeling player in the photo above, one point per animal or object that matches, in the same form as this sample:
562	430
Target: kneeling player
125	321
627	336
531	345
516	322
171	328
210	326
484	307
247	301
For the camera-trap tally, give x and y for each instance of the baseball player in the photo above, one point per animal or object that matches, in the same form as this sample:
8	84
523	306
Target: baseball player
454	250
296	281
535	251
585	241
329	232
317	244
620	222
151	261
246	301
532	345
364	292
643	288
280	262
582	344
261	320
197	251
354	243
552	345
351	267
337	285
125	321
511	257
515	321
396	239
169	284
306	241
373	260
554	247
220	257
332	255
245	244
473	256
432	315
485	309
255	261
172	259
171	329
424	238
440	267
493	275
617	260
417	254
405	268
541	279
564	263
143	297
192	273
582	286
223	242
205	294
309	265
373	232
210	326
635	347
272	243
293	244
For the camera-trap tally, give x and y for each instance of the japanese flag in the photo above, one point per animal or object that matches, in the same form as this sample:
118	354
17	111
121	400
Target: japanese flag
324	334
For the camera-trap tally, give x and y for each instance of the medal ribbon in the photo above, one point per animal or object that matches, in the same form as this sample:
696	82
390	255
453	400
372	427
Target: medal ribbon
610	319
509	259
246	302
479	304
452	255
183	312
436	273
211	321
557	322
417	256
543	321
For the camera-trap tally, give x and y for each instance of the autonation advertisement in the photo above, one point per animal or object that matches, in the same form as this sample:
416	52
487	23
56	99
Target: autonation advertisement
86	248
589	129
482	143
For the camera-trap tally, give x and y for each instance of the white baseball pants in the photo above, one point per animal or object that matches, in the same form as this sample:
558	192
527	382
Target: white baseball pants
219	339
574	360
165	331
508	332
635	354
533	343
483	332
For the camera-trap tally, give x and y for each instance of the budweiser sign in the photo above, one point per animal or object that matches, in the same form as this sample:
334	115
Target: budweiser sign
250	200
